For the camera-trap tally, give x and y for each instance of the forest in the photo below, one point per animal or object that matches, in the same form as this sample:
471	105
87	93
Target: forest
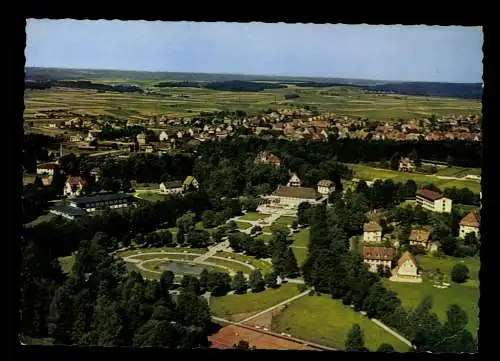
81	84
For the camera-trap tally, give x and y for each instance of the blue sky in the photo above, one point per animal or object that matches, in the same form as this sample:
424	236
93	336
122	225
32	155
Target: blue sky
411	53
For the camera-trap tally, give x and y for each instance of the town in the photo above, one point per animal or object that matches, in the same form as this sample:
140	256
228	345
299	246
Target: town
281	226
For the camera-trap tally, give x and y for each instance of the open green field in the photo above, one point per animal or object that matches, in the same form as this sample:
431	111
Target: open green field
370	173
186	101
300	255
325	321
152	196
458	171
263	266
134	252
235	267
266	229
465	295
243	225
250	302
301	238
254	216
286	220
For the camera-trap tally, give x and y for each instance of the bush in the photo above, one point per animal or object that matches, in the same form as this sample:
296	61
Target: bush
416	250
301	288
459	273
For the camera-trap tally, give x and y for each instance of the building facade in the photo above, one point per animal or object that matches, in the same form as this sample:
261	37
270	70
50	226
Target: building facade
420	237
325	187
103	201
376	256
433	201
74	186
174	187
372	232
469	224
406	270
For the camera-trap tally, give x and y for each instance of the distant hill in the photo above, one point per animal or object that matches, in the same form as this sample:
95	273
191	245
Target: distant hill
235	82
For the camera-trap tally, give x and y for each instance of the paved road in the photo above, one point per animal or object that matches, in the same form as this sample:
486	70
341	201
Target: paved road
273	307
212	251
392	332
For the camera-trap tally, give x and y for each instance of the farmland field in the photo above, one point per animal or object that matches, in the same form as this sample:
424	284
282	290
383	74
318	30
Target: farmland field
187	101
370	173
326	321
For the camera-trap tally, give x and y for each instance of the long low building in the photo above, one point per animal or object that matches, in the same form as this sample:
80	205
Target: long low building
102	201
67	212
433	201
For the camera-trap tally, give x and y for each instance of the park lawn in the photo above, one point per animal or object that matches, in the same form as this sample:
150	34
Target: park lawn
66	263
254	216
466	297
243	225
301	238
266	229
132	252
445	264
145	257
235	267
300	255
265	237
326	321
152	196
146	274
251	302
257	263
286	220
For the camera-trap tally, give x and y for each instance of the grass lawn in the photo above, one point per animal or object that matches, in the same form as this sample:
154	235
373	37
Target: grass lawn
266	229
233	304
265	237
301	255
231	265
166	249
152	196
370	173
465	295
257	263
243	225
145	257
286	220
254	216
325	321
301	238
66	263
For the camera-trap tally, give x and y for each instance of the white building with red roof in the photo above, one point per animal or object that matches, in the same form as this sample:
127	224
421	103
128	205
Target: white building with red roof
372	232
433	201
470	224
406	270
325	187
74	186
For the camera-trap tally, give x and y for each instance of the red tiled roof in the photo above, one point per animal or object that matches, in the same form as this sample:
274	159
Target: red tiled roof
372	226
407	256
428	194
419	235
471	219
76	181
47	166
325	183
379	253
297	192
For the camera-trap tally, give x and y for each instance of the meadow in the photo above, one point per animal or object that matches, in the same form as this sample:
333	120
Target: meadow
190	101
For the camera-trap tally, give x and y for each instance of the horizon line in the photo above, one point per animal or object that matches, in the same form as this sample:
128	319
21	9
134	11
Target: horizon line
254	75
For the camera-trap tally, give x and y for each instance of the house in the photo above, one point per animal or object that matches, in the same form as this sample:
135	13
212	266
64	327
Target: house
375	256
406	165
96	173
190	182
325	187
163	136
149	149
294	181
74	186
76	138
267	158
46	179
406	270
141	138
433	201
102	201
420	237
92	135
372	232
173	187
469	224
47	169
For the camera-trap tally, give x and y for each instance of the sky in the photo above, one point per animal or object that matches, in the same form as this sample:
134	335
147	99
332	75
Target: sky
390	52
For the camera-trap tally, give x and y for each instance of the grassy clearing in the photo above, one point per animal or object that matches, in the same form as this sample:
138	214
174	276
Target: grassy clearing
152	196
145	257
133	252
370	173
266	229
254	216
301	255
301	238
325	321
234	304
286	220
465	295
257	263
66	263
265	237
235	267
243	225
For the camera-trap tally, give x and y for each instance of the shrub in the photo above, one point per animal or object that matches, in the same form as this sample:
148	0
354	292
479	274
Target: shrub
459	273
301	287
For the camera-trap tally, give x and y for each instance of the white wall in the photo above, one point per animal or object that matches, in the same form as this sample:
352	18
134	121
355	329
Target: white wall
467	229
372	237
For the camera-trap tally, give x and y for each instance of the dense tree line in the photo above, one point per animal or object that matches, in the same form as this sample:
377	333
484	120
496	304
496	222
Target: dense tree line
82	84
230	85
36	147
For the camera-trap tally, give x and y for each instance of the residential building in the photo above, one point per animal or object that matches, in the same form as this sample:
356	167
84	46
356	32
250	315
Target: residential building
103	201
163	136
294	181
267	158
141	139
469	224
190	182
420	237
47	168
325	187
375	256
372	232
406	165
291	196
74	186
149	149
76	138
433	201
173	187
67	212
92	135
406	270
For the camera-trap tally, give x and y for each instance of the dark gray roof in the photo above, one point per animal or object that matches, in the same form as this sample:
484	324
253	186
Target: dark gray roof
71	211
102	197
173	184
